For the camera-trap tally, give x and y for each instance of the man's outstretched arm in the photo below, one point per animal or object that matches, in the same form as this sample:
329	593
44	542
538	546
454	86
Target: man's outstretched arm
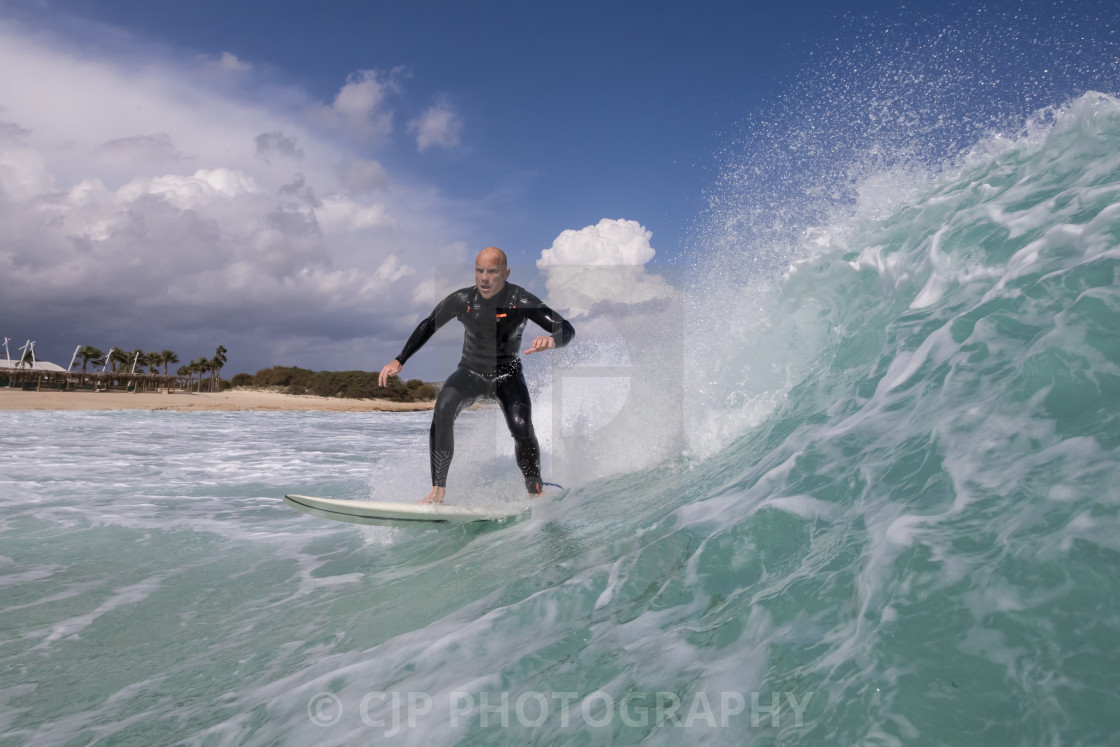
444	312
562	330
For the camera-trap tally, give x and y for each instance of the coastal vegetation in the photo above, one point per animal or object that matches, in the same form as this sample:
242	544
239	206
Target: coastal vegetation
138	370
200	366
352	384
148	370
134	370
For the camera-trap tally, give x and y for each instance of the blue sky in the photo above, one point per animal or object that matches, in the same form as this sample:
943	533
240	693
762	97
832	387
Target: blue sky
578	110
282	178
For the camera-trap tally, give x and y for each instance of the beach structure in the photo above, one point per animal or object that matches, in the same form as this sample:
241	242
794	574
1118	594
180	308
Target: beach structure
27	372
21	372
7	365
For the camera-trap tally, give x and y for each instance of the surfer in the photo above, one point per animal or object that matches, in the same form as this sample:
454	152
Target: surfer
494	314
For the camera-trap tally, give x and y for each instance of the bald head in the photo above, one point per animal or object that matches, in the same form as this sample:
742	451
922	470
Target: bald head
490	271
491	255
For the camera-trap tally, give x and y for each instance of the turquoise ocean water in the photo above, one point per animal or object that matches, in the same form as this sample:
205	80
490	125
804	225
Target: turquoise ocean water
887	514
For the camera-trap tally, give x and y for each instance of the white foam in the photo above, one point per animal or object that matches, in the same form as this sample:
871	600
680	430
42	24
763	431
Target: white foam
72	626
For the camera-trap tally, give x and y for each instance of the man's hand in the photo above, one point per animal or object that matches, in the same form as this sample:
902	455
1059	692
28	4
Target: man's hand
392	368
541	343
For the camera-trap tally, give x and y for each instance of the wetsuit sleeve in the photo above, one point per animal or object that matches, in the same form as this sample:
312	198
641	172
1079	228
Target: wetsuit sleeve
445	311
561	329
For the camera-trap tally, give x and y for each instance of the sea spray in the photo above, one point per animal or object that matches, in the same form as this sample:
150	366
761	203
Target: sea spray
905	529
896	540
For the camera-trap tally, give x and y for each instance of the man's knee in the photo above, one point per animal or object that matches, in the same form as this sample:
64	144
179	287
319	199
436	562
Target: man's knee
446	408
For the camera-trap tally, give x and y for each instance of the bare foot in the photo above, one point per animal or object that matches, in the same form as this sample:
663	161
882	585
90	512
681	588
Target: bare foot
436	496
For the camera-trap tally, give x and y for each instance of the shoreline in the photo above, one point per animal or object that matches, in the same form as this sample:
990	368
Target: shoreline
233	400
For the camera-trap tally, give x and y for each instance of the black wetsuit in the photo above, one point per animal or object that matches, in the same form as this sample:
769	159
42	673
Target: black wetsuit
490	367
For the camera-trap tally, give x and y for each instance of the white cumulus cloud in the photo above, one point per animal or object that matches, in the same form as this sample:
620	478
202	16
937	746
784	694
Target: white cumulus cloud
194	191
439	125
361	105
364	175
143	206
157	147
604	263
277	144
230	63
341	213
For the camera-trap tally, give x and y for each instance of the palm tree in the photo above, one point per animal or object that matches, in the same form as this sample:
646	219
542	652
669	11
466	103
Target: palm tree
135	360
103	361
115	361
167	357
213	367
198	365
89	353
150	361
118	359
183	372
163	358
219	361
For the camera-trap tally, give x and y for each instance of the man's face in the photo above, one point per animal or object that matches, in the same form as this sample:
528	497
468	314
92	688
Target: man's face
489	276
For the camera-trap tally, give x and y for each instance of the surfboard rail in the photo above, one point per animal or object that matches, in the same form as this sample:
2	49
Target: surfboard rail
389	511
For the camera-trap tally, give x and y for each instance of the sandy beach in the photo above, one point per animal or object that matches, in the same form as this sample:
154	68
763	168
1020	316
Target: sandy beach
233	400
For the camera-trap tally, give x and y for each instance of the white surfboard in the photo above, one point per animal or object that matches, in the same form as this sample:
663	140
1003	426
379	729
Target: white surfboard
380	512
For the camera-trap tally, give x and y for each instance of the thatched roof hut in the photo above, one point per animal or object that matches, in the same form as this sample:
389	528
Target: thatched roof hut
6	365
43	374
